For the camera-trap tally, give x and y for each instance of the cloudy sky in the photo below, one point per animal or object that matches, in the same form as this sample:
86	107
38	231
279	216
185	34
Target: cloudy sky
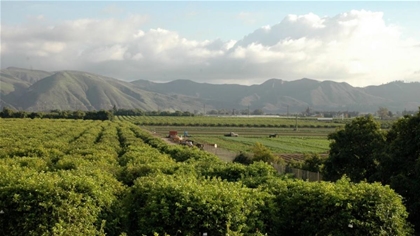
361	43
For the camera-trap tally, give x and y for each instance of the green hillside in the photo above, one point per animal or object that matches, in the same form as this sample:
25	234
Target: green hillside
74	90
35	90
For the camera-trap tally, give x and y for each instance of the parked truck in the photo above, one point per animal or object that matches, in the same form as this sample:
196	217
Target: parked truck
231	134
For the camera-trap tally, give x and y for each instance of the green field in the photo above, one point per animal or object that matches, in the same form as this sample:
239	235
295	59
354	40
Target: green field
283	144
310	136
84	177
305	140
233	121
296	136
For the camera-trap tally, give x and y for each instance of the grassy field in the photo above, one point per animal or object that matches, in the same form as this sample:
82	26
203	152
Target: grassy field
233	121
310	136
308	140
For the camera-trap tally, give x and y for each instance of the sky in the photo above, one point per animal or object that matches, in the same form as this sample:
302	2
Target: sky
236	42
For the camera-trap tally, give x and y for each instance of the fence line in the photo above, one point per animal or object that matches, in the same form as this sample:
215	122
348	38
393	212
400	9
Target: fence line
223	154
281	169
298	173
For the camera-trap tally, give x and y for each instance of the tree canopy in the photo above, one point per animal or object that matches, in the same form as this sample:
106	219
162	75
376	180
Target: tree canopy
400	163
354	150
362	151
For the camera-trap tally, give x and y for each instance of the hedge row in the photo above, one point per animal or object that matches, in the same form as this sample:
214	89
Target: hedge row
120	180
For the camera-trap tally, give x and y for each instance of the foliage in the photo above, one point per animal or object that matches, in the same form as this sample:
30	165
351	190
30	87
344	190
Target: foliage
341	208
313	162
354	150
230	121
400	163
251	175
140	161
62	202
243	158
57	114
262	153
85	177
258	112
99	115
185	205
383	112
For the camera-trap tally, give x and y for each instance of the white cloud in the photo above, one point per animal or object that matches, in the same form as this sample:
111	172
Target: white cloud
101	54
357	47
53	47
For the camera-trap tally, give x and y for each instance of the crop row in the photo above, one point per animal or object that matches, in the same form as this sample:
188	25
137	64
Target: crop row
229	121
110	178
279	145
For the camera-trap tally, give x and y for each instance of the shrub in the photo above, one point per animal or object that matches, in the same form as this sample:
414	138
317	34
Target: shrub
48	203
243	158
262	153
343	208
185	206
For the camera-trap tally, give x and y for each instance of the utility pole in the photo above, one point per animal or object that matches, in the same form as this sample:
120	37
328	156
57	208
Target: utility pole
287	110
296	126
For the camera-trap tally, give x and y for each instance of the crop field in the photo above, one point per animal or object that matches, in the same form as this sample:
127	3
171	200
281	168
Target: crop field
288	141
83	177
40	138
284	144
309	137
232	121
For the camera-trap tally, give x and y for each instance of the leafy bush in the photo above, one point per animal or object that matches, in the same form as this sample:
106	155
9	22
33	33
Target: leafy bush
243	158
341	208
355	150
400	163
262	153
313	162
47	203
185	205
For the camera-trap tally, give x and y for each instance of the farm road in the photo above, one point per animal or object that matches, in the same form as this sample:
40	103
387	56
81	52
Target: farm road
223	154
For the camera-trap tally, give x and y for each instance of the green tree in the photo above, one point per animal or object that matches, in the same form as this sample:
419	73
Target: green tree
20	114
243	158
262	153
340	208
184	205
313	162
7	112
34	115
400	163
78	114
383	112
258	112
354	150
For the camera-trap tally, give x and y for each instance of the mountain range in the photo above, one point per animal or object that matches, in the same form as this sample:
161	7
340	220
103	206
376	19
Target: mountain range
35	90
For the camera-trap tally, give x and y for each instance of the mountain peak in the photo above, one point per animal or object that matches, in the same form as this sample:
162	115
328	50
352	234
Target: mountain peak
83	90
273	83
182	81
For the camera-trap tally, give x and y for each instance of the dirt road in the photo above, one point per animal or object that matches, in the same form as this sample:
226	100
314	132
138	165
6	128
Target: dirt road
223	154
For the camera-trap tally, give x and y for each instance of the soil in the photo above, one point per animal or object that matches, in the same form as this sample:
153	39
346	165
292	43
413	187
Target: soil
223	154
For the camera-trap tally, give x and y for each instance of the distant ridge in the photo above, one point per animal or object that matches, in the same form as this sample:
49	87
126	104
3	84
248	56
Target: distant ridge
35	90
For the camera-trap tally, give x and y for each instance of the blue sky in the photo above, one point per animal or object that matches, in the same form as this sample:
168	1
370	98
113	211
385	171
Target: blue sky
184	17
192	40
